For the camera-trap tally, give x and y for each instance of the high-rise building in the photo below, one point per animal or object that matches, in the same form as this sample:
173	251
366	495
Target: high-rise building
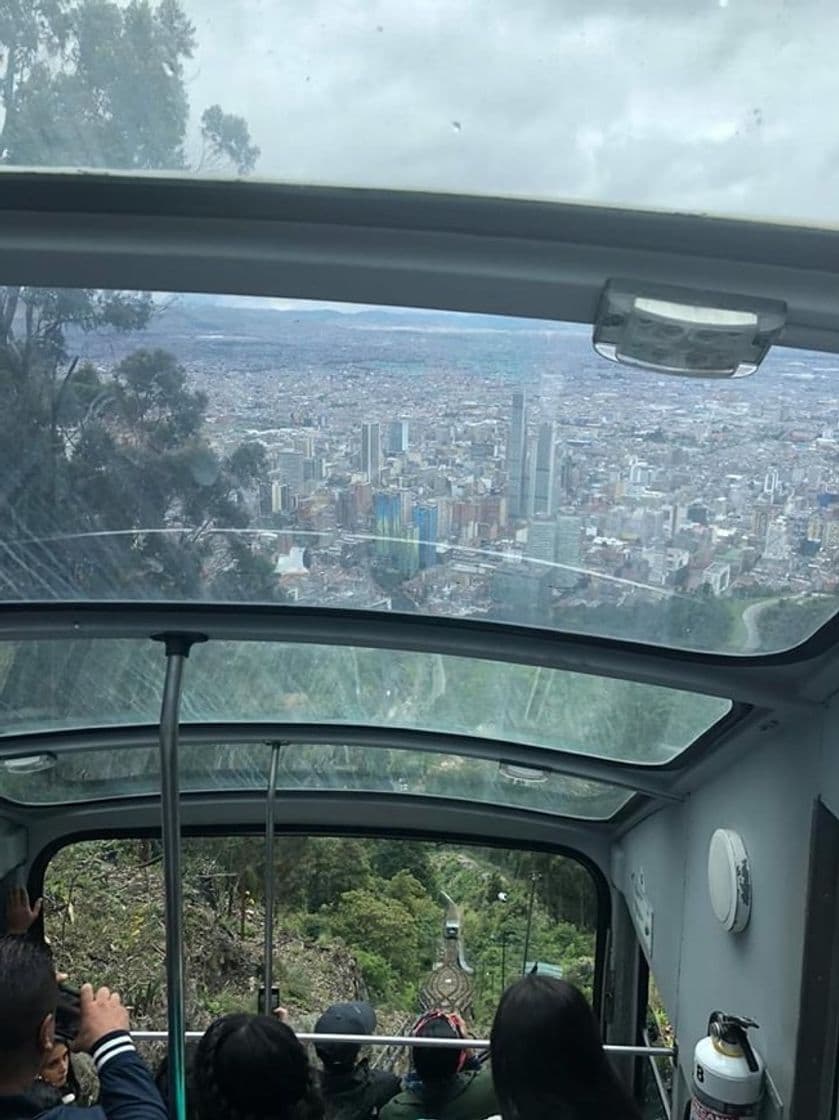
407	552
568	541
281	500
290	464
387	511
541	540
371	452
397	437
517	458
542	492
425	519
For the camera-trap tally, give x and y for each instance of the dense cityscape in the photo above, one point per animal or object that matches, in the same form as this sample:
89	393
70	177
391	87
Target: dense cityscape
466	466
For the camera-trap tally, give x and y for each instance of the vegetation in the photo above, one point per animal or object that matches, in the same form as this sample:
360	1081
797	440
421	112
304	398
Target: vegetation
354	917
98	83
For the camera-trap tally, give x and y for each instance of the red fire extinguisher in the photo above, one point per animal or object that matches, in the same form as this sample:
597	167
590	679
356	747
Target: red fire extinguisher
727	1071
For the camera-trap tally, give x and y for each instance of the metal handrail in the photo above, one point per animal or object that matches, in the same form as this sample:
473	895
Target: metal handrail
663	1095
177	651
411	1040
268	950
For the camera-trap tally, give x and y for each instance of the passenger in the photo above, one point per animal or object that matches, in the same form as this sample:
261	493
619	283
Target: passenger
351	1090
20	915
440	1085
28	997
548	1058
73	1075
253	1067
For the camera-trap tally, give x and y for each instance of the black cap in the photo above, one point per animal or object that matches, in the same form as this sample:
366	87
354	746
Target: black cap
343	1018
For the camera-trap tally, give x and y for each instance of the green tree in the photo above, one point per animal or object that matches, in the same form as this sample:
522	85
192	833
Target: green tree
101	83
392	856
96	83
380	925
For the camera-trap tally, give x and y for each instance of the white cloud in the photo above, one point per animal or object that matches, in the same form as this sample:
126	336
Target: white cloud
683	104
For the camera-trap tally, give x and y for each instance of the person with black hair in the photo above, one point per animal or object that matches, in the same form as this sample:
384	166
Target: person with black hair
253	1067
351	1090
28	998
443	1084
548	1057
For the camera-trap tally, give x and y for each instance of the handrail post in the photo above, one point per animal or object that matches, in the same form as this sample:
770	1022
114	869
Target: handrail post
177	650
268	960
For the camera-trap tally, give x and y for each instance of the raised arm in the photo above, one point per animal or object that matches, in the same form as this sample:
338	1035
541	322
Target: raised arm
127	1091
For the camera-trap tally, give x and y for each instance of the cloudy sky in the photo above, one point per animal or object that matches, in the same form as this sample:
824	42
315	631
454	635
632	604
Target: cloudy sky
729	106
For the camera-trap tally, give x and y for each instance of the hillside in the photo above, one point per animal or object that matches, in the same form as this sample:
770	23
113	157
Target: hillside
355	919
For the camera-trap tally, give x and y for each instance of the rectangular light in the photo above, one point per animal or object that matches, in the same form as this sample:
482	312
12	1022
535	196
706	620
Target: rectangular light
685	332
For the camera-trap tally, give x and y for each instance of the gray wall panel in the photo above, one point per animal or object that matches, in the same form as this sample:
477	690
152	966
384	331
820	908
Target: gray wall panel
768	798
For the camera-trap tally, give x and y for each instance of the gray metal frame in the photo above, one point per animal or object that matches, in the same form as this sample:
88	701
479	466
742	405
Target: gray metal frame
268	948
542	260
651	780
792	680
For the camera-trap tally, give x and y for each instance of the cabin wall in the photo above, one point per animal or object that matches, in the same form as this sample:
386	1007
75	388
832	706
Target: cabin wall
767	796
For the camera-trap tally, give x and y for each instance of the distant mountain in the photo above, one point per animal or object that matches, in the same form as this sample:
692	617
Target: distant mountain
209	308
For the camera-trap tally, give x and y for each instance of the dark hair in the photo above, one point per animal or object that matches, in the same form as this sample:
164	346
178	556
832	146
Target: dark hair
28	994
435	1065
161	1078
253	1067
548	1058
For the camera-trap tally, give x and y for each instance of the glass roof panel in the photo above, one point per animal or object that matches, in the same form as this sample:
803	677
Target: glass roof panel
70	684
702	105
256	450
88	775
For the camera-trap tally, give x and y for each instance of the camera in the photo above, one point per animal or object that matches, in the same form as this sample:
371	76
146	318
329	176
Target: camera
67	1012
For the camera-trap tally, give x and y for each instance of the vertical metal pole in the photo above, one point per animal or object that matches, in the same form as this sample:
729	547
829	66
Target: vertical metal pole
177	651
503	961
268	959
533	879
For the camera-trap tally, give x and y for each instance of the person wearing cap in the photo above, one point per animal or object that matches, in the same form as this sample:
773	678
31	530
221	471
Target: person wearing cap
351	1089
445	1082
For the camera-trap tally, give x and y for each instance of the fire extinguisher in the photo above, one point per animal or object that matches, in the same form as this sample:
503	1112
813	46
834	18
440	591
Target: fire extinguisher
727	1071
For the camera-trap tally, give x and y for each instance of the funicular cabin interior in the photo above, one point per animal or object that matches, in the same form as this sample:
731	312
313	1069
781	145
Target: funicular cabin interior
626	655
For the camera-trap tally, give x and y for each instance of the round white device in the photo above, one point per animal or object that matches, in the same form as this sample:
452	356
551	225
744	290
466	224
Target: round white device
729	880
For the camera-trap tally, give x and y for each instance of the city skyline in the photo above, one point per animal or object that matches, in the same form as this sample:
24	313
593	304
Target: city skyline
454	466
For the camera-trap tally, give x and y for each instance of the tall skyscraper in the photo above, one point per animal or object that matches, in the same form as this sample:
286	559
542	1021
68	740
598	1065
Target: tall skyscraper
541	540
568	534
387	511
425	519
517	458
542	493
397	437
371	452
290	464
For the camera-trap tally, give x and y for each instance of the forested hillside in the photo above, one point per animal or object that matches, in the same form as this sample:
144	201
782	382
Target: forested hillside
354	917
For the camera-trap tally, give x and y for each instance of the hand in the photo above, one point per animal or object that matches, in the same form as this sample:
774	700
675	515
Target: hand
99	1015
282	1014
19	914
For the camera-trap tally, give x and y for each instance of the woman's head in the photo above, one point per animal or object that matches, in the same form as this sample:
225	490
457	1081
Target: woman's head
253	1066
435	1065
56	1067
547	1055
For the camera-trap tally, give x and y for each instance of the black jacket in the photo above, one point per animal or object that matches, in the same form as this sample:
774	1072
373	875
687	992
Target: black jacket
127	1089
359	1094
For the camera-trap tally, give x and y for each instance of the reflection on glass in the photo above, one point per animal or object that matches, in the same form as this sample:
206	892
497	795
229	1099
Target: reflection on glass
90	775
681	110
442	464
52	685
